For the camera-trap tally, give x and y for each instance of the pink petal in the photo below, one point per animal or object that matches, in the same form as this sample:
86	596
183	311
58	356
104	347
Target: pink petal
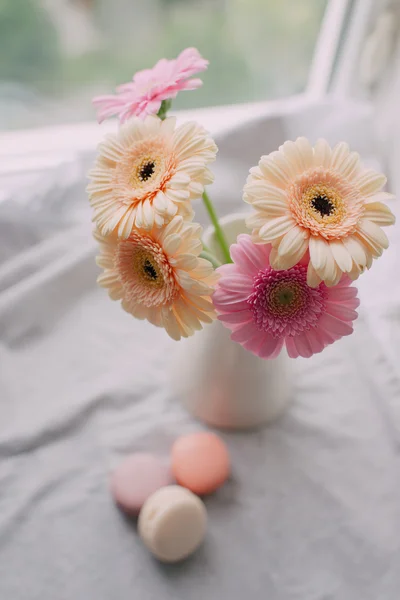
236	283
341	311
245	332
291	347
143	95
334	326
303	345
228	270
270	347
223	297
250	257
226	305
341	294
238	317
316	344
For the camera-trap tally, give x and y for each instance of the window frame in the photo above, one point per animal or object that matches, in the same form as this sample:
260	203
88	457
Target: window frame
45	148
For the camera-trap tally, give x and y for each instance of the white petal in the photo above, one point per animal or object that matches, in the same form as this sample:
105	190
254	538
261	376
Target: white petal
350	166
318	252
335	277
159	220
270	209
374	234
107	279
168	126
379	197
370	182
356	250
305	152
262	191
276	228
111	148
341	256
273	172
255	220
160	202
339	154
322	154
127	222
298	155
148	215
173	226
139	219
203	268
170	324
330	273
207	177
281	263
293	241
172	243
379	213
153	124
196	189
313	279
186	316
192	285
355	272
179	180
187	262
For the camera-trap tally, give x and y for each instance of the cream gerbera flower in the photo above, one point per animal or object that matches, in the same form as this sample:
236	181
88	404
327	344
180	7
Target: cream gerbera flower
159	276
147	173
322	200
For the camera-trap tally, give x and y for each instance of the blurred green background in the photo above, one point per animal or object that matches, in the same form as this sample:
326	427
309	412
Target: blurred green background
56	54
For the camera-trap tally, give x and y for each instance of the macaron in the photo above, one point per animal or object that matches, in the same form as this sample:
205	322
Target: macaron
172	523
200	462
138	477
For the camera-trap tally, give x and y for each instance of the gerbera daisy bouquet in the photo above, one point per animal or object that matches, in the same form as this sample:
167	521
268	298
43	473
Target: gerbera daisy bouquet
315	226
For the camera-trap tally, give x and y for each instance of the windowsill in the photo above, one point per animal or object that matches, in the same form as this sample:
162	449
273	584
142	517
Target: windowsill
47	147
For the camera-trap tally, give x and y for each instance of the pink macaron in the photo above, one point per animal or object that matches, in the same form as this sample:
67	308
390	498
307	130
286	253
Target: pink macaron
136	478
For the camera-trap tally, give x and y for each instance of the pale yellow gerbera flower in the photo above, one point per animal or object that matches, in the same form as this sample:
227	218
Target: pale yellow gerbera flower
158	276
320	200
148	172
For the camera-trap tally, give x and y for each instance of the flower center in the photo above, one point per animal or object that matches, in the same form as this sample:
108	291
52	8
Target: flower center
144	271
149	270
146	268
146	170
285	297
323	204
283	304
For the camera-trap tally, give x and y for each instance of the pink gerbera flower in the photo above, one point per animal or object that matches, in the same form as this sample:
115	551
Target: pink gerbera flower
266	309
144	94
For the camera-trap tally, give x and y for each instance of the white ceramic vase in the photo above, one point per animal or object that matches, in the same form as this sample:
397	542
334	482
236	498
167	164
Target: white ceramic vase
221	383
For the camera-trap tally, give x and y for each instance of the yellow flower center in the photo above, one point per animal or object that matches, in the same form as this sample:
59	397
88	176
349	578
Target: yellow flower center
146	268
324	204
145	170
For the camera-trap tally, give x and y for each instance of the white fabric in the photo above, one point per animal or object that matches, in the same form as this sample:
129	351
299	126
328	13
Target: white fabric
312	511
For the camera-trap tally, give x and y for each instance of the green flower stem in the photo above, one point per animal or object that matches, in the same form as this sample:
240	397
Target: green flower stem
211	258
164	108
217	227
162	114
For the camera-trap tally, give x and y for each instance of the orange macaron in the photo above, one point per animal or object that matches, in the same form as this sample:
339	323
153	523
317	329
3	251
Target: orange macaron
200	462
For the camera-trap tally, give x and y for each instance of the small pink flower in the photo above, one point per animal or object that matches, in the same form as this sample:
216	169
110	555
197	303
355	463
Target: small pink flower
144	94
266	309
